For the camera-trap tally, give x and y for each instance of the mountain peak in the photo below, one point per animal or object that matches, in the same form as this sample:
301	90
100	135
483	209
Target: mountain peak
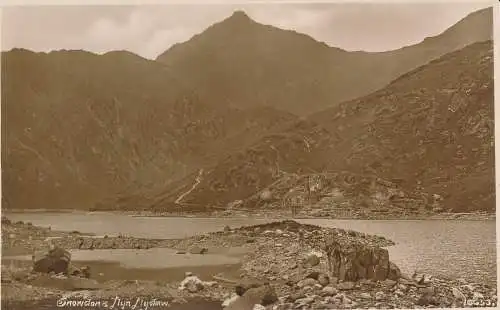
239	16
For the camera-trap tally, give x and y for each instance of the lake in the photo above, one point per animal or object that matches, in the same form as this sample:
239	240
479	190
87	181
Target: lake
464	249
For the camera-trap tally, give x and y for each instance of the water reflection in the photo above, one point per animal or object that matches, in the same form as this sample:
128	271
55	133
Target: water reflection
152	258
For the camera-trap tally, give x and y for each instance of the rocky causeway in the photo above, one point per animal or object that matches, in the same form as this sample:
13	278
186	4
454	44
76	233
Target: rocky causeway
282	265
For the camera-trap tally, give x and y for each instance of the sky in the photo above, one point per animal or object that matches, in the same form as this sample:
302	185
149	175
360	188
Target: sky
149	30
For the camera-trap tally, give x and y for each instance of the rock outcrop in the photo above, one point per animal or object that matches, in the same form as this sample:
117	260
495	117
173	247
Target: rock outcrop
353	261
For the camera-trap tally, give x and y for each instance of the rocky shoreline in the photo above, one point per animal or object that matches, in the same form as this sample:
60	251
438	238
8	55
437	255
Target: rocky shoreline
304	214
284	215
286	265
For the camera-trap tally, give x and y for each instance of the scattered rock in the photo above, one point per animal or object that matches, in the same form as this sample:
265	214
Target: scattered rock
263	295
307	282
329	291
379	296
389	283
457	294
345	286
296	296
198	250
230	300
83	272
6	221
192	284
312	260
428	297
394	272
313	275
365	295
323	279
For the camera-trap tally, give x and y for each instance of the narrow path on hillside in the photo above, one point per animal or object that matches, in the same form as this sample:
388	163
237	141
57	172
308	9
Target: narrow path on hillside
197	181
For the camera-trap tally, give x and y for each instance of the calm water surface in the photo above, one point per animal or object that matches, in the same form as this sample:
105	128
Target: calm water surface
450	248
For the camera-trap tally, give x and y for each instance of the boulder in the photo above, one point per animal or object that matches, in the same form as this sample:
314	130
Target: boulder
313	275
82	272
307	282
263	295
329	291
389	283
266	195
192	284
427	299
55	260
352	260
323	279
311	260
230	300
394	272
244	286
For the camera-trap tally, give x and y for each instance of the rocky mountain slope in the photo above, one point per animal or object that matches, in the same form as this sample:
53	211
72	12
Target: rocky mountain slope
78	127
428	136
244	63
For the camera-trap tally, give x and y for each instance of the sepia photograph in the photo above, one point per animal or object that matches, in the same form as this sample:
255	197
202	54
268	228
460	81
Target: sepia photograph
252	155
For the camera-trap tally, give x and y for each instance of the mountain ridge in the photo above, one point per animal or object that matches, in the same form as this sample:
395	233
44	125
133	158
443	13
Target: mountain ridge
357	138
249	63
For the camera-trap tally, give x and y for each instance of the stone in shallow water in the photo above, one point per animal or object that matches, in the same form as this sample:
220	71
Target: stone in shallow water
198	250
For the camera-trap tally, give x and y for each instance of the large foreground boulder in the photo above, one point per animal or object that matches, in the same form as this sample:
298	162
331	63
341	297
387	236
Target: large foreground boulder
263	295
245	285
55	260
351	260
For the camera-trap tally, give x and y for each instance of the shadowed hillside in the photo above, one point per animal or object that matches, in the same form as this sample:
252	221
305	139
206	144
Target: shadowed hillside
78	127
430	131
